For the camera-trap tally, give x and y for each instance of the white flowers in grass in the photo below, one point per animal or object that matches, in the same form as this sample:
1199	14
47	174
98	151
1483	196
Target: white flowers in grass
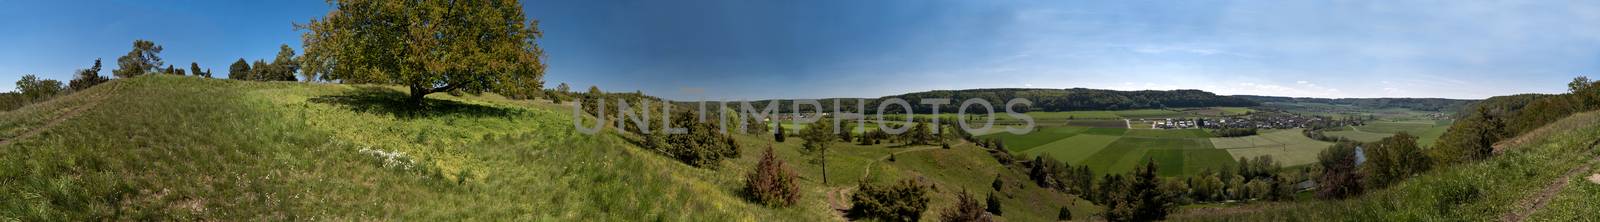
390	159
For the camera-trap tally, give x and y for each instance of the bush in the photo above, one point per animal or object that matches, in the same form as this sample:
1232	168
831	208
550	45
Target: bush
1339	176
900	202
772	183
994	204
966	210
1066	214
701	146
1393	159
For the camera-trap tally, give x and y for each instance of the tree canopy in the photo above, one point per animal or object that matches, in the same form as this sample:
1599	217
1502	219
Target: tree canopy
429	46
142	59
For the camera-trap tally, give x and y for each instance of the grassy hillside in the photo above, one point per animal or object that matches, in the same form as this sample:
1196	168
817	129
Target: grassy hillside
1493	189
184	148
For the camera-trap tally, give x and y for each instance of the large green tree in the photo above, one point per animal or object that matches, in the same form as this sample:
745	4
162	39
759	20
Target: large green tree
34	89
429	46
142	59
240	70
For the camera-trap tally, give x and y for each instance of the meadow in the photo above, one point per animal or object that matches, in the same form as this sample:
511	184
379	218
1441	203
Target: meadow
151	149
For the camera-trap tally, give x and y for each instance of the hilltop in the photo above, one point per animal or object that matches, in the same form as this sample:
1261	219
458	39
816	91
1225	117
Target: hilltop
162	147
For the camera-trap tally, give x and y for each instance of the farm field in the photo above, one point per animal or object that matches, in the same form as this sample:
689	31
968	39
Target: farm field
1287	146
1039	136
1357	135
1074	149
1096	123
1427	131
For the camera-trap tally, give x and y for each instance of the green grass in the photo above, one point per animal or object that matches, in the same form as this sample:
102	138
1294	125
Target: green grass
1128	152
1073	149
1574	203
1106	131
154	150
1289	147
183	148
1039	136
1500	183
1391	127
1097	123
967	168
1169	133
1357	135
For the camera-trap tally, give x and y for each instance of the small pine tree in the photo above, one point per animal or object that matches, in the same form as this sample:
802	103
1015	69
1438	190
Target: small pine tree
772	183
779	135
994	204
966	210
1065	215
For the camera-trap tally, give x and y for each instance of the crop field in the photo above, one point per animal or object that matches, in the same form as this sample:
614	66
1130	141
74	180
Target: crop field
1039	136
1128	152
1169	133
1218	111
1287	146
1357	135
1413	127
1097	123
1074	149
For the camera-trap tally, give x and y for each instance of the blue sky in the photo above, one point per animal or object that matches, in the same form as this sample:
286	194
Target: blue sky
731	49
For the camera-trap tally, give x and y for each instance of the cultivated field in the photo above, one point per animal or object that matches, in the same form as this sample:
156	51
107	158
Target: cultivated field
1289	147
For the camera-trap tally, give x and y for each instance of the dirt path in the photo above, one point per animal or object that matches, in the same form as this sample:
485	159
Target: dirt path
1538	201
93	101
838	200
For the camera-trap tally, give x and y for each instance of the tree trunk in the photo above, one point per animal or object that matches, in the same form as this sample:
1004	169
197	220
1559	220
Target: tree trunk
824	167
417	95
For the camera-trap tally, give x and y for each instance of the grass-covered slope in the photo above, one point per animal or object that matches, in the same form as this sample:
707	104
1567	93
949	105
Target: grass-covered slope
1505	186
183	148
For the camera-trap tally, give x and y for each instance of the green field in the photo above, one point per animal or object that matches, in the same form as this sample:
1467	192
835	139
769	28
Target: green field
1128	152
1074	149
1289	147
1096	123
1413	126
1358	135
1169	133
1039	136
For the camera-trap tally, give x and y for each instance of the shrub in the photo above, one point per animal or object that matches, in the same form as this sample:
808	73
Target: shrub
900	202
1066	214
1393	159
772	183
1339	176
701	146
966	210
994	204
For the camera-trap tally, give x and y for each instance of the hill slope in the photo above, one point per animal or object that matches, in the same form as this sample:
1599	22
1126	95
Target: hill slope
184	148
1547	168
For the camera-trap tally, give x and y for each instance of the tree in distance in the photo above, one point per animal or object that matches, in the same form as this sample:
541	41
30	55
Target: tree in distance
818	139
966	210
429	46
86	78
142	59
240	70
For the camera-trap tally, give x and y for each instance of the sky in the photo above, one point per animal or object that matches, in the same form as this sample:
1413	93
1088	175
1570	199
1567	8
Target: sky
740	49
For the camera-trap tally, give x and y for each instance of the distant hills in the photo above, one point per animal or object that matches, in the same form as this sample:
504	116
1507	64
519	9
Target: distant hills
1079	99
1423	104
